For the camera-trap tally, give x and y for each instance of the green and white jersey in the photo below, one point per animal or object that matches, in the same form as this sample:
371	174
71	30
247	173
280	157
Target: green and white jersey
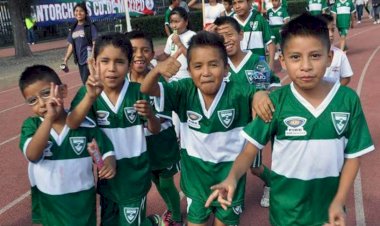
210	140
257	33
64	174
309	149
125	128
316	7
343	11
244	73
277	16
167	15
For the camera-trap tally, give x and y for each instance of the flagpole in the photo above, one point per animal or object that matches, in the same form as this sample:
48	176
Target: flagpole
127	17
203	14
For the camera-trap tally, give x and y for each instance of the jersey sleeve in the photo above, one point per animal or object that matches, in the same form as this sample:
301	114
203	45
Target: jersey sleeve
171	94
353	8
105	145
345	67
28	129
167	13
333	8
358	135
324	5
285	13
267	33
78	98
168	44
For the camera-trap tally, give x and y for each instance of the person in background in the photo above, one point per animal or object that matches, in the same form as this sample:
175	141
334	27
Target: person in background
376	11
228	7
173	4
359	4
30	23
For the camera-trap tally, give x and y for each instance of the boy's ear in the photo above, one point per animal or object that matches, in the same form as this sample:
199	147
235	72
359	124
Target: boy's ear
63	90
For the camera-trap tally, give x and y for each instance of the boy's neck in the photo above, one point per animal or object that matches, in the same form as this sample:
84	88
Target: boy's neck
208	99
243	17
60	122
237	58
135	76
316	95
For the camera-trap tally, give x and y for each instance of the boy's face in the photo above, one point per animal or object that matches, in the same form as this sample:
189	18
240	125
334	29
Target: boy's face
276	3
241	7
113	65
305	59
331	27
142	55
227	6
207	69
231	39
37	94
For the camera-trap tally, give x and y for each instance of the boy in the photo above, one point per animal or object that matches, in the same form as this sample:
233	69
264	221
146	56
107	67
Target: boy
256	30
163	147
121	111
344	16
241	71
340	68
60	167
278	16
211	112
318	132
173	4
317	7
228	7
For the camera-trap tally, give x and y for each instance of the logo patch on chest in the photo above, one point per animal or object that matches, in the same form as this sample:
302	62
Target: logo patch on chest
253	25
226	117
193	119
295	126
131	214
130	114
78	144
102	118
340	121
237	210
47	150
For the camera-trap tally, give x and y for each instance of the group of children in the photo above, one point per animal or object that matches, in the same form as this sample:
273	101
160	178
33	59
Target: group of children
314	118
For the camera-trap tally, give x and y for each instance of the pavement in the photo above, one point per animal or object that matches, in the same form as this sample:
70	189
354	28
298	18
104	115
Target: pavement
38	47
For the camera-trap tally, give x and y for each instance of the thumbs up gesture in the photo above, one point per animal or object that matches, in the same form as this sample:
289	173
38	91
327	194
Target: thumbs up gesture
170	66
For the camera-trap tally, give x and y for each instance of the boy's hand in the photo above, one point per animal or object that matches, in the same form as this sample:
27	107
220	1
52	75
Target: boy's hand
93	84
53	104
336	214
143	108
224	192
108	170
176	40
170	66
211	28
262	106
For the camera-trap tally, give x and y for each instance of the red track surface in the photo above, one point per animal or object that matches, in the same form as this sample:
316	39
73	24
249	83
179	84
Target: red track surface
364	55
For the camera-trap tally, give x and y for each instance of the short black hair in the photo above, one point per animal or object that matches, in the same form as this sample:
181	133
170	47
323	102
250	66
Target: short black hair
116	39
181	12
207	39
326	17
228	20
36	73
228	1
305	25
137	34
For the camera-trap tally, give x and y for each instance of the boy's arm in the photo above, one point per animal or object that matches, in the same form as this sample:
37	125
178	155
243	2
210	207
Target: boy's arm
68	54
262	106
271	50
345	81
336	211
167	30
144	109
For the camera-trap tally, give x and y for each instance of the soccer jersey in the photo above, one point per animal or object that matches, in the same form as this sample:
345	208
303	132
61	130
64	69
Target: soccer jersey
309	148
209	137
316	7
343	11
64	176
244	73
277	16
340	66
125	128
257	34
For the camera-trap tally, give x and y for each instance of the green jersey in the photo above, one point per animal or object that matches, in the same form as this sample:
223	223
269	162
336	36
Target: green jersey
343	11
209	137
64	175
244	73
309	149
317	7
167	16
125	128
277	16
257	33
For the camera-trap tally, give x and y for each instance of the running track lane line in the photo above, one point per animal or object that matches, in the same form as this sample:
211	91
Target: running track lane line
14	202
358	191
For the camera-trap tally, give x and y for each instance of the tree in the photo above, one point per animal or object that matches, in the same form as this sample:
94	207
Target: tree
18	9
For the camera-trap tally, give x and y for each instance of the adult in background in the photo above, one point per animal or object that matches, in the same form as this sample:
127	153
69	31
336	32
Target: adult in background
376	11
30	23
81	40
359	4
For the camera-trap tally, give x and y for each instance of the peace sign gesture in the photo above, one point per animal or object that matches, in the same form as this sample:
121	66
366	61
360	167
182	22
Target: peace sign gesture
54	104
94	85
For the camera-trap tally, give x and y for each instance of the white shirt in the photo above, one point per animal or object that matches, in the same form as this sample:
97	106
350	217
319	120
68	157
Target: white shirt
185	38
340	66
212	12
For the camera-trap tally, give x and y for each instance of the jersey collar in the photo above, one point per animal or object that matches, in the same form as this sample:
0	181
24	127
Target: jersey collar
208	113
115	108
241	64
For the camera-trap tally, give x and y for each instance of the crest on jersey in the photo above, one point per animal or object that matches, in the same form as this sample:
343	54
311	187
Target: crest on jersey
340	121
78	144
193	119
226	117
130	114
253	25
279	13
250	76
47	150
270	14
131	214
237	210
102	118
295	126
227	77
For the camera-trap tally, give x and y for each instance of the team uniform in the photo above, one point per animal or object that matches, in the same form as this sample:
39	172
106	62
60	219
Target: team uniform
340	66
167	17
124	196
277	19
309	148
63	176
343	11
209	142
257	34
317	7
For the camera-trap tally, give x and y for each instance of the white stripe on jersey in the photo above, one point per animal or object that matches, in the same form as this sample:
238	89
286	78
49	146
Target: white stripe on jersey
124	146
165	125
256	40
214	147
315	7
58	177
344	10
276	20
